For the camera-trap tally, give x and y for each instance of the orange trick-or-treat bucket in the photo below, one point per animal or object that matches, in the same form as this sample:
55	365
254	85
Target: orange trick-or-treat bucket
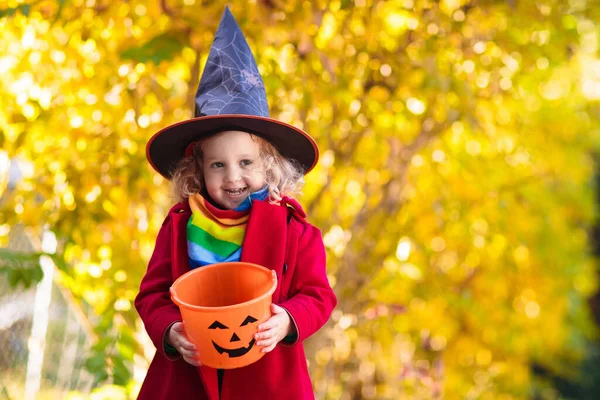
221	306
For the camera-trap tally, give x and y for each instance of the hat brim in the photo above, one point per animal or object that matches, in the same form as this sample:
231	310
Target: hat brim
168	146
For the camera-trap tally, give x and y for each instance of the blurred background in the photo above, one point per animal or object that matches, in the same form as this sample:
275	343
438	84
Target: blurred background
456	191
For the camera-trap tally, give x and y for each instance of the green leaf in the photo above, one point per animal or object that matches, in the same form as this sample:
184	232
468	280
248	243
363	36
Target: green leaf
60	262
9	12
127	352
96	363
21	268
162	47
346	4
102	343
121	373
100	376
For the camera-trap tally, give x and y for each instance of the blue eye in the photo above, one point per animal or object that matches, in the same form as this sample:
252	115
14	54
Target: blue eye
216	165
246	162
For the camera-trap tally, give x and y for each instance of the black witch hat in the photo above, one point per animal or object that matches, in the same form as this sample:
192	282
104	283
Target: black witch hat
231	96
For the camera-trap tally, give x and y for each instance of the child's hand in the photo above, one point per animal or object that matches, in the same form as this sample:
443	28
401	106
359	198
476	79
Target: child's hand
274	329
178	339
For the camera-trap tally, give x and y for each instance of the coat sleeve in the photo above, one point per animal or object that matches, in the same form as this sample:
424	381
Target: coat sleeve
153	302
311	297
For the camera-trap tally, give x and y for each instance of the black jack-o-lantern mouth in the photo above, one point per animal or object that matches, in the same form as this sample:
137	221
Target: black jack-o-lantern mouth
237	352
234	352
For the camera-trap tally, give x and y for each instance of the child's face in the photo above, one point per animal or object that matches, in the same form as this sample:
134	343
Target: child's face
232	167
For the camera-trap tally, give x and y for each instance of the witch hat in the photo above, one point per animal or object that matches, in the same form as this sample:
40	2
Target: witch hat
231	96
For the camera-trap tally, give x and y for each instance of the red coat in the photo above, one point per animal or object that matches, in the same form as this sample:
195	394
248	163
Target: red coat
302	289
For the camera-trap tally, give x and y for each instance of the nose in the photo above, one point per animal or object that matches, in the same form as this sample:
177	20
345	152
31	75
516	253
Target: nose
234	338
233	174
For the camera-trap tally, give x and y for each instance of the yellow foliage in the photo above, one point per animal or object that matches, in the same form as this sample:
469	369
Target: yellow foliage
453	191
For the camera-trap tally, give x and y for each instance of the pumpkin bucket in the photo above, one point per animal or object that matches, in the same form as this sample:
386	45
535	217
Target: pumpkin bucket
221	306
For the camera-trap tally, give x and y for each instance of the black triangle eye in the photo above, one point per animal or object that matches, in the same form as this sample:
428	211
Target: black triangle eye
217	325
249	319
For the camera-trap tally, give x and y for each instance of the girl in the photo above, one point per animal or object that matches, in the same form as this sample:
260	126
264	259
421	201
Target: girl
232	165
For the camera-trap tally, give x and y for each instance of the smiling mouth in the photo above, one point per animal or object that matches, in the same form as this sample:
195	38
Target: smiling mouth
235	192
234	352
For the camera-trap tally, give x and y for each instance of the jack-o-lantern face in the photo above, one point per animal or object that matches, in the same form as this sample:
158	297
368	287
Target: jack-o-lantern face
233	352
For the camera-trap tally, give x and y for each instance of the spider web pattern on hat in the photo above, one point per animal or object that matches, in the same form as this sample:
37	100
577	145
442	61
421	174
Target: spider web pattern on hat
231	82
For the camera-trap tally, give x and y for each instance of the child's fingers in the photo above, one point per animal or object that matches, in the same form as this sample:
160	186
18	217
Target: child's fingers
267	342
272	322
180	338
272	331
177	327
265	333
187	349
268	324
270	337
264	328
268	348
184	347
275	309
188	353
192	361
184	344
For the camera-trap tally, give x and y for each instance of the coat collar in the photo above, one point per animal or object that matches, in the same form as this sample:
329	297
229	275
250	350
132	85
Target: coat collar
293	206
264	243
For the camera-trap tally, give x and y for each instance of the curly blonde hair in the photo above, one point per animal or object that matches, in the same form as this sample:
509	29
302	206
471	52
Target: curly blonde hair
283	176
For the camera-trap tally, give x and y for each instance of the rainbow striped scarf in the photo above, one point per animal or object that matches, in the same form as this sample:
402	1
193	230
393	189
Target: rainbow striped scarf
214	235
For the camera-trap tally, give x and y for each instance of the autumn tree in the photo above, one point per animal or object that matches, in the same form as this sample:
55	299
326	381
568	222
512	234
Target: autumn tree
454	190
